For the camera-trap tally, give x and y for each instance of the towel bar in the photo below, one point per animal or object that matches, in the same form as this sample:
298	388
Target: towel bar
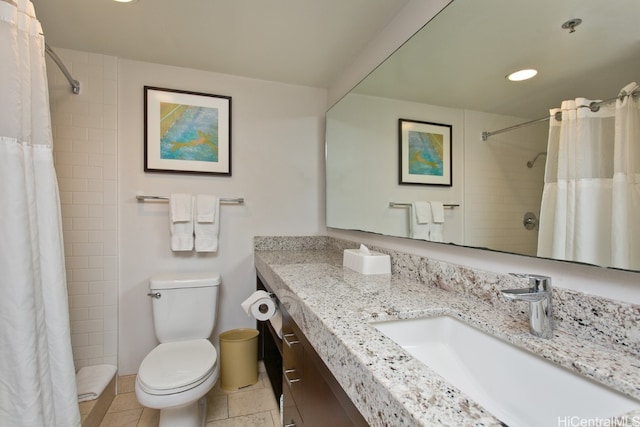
406	205
231	200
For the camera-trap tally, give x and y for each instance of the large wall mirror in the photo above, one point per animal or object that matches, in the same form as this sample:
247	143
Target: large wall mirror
453	73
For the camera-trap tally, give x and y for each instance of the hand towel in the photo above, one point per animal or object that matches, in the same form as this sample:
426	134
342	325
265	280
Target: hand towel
206	208
423	212
417	229
92	380
181	222
207	231
437	211
437	226
180	207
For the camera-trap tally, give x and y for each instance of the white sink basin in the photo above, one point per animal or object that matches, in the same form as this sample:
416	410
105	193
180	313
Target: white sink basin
518	387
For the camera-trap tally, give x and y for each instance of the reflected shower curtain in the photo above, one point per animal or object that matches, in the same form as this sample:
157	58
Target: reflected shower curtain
37	376
591	196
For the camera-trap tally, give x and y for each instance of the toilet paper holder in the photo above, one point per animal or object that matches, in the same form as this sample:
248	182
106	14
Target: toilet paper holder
263	308
261	304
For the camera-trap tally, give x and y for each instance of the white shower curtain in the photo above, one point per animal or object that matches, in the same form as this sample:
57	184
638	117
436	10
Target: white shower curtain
591	196
37	376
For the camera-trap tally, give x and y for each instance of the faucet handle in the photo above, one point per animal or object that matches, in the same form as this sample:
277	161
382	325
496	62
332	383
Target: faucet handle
537	282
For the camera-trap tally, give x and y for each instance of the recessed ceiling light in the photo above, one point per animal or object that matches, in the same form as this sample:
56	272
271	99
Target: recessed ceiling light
520	75
125	1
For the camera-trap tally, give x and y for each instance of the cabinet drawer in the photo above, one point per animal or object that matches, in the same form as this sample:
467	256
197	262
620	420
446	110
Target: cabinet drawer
311	395
291	415
292	362
291	350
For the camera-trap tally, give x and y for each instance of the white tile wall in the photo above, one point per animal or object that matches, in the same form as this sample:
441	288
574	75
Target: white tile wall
499	187
85	146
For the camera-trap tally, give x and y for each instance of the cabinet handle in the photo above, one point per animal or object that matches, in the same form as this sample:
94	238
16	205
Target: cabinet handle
286	377
291	342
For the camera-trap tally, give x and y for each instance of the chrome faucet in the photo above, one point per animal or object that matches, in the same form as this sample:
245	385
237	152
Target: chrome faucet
538	294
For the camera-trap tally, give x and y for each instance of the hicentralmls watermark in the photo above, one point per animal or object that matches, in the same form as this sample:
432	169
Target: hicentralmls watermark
574	421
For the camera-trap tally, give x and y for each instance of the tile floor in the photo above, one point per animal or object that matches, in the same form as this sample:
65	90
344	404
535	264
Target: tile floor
249	407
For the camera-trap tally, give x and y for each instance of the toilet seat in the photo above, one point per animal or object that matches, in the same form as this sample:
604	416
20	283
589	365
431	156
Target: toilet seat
174	367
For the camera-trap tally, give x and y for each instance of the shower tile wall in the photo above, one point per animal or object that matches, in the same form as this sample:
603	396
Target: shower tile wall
499	187
85	143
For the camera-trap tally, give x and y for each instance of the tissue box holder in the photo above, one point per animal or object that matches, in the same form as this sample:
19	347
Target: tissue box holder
372	263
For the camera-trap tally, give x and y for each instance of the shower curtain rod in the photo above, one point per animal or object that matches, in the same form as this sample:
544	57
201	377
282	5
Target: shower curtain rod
75	85
594	106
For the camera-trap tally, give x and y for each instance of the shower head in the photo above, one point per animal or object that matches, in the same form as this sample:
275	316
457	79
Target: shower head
532	162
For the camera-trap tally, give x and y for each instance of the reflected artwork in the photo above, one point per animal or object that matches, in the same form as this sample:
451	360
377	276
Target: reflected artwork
425	153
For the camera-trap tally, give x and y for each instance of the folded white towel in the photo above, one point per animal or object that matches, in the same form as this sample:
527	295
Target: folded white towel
92	380
423	212
437	226
180	207
207	231
206	208
181	222
417	230
437	211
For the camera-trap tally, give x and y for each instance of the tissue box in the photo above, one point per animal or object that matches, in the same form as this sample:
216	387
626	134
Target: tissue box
366	263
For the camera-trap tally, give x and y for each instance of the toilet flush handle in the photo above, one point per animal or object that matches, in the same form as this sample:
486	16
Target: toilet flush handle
157	295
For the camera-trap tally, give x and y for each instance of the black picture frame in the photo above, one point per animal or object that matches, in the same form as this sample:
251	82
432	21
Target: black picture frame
186	132
425	153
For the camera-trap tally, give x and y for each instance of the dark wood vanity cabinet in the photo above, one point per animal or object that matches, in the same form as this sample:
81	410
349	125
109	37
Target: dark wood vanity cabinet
270	350
311	394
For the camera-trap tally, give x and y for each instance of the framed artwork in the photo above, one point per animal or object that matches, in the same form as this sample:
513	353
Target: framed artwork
186	132
425	153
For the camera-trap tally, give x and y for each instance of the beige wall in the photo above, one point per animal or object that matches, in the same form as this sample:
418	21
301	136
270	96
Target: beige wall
277	145
364	158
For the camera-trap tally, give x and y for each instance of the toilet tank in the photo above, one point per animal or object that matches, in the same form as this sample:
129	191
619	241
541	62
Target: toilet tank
184	305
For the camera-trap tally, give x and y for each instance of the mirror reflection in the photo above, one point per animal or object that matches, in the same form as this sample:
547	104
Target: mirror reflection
453	73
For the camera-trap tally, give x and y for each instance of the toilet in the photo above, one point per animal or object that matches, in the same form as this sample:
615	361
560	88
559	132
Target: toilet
177	374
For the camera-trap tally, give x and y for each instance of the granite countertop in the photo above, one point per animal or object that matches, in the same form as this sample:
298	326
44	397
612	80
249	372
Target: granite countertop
334	307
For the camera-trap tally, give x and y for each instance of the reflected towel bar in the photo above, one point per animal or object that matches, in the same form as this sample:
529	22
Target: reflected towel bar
230	200
407	205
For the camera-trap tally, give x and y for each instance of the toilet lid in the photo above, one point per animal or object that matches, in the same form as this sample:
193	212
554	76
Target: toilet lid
177	364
